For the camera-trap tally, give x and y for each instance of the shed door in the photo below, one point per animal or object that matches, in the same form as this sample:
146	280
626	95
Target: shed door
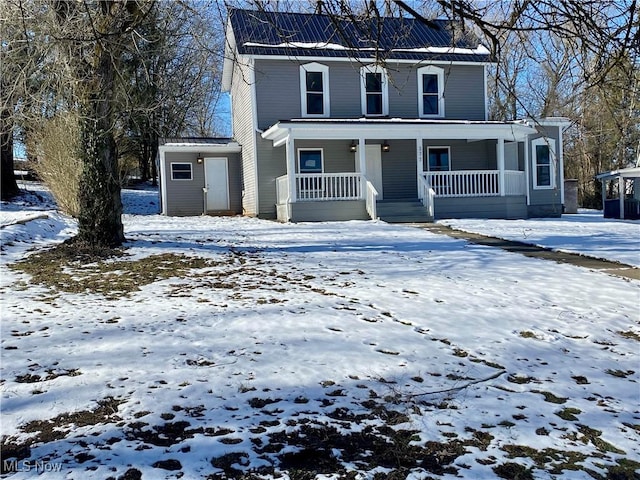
217	183
374	167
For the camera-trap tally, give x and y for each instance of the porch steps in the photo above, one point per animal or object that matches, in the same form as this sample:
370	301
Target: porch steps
402	211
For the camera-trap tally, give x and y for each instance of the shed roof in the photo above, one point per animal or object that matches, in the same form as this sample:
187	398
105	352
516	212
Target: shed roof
632	172
194	141
392	38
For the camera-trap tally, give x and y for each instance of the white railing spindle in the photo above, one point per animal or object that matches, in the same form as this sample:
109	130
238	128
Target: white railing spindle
475	183
328	186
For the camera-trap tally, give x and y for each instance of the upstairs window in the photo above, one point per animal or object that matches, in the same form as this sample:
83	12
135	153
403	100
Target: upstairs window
438	159
314	88
431	92
374	91
543	151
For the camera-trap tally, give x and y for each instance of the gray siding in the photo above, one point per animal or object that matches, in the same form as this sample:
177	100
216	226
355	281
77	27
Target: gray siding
545	202
464	92
235	181
511	155
185	197
329	211
400	170
336	155
244	132
278	90
271	165
481	207
465	155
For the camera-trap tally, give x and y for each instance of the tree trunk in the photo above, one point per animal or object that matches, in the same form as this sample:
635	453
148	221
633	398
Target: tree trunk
100	218
9	187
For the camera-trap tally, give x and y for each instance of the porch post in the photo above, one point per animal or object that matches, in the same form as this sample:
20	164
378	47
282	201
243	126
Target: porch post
291	167
621	195
500	158
362	157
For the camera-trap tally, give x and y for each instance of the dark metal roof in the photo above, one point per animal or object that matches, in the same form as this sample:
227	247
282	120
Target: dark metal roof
391	38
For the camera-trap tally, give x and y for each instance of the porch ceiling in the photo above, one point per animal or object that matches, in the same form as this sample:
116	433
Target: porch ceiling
390	129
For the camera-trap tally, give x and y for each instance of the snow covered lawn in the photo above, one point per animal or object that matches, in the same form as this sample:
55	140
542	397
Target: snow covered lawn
362	347
586	233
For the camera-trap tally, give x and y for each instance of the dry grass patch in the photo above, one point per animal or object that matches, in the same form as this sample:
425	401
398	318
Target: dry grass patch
69	269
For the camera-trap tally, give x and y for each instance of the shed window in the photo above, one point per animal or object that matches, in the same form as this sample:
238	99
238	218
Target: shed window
543	163
181	171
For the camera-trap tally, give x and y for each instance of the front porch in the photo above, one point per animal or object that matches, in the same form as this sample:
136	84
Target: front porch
350	195
340	170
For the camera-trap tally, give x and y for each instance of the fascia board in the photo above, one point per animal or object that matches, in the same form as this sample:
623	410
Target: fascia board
201	148
365	60
399	131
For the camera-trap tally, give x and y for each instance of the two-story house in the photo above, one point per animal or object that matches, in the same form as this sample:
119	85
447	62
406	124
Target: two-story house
337	120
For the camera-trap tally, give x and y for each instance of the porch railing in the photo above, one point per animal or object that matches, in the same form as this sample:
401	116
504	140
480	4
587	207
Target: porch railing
514	183
475	183
328	186
426	195
371	199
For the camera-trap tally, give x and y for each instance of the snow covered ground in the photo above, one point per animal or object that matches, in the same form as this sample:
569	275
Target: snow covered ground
351	347
586	233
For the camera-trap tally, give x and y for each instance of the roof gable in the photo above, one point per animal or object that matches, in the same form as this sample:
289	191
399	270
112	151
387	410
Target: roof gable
391	38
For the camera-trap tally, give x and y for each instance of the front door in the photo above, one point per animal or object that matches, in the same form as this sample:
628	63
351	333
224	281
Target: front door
373	158
217	184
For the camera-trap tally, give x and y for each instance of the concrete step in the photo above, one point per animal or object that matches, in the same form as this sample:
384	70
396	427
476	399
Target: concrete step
402	211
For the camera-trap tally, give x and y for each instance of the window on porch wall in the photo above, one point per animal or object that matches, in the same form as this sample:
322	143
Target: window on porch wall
310	163
543	161
438	160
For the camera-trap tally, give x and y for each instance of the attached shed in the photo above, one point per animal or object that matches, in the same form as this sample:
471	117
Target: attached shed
200	176
621	199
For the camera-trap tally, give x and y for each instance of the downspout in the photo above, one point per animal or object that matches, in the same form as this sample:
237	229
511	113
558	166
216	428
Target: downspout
291	167
561	162
526	169
163	181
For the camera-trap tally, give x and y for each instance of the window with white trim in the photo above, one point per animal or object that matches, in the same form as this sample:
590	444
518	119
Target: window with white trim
438	159
181	171
310	160
374	91
430	92
314	89
543	159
